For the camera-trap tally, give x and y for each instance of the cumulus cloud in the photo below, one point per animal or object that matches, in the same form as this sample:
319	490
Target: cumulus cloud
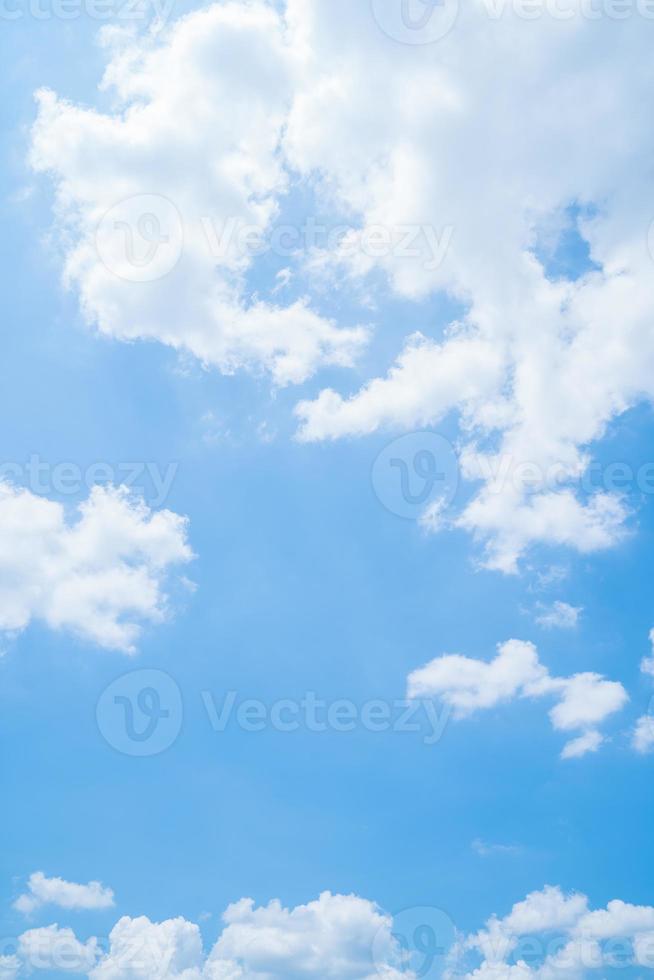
643	735
583	701
554	936
466	174
337	936
100	576
9	967
138	948
153	198
66	894
55	949
449	135
549	935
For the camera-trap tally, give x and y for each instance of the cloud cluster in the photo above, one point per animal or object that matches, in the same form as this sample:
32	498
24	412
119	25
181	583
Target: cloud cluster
499	131
343	937
554	936
549	935
42	890
101	576
583	701
147	194
509	132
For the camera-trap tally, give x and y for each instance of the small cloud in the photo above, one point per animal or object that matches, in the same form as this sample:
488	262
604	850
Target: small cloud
560	615
65	894
432	519
266	433
485	849
647	664
588	742
213	429
554	575
642	739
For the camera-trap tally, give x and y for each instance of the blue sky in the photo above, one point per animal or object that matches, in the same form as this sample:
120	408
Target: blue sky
304	582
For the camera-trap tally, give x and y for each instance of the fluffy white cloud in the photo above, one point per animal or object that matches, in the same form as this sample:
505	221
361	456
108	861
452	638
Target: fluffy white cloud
554	936
144	950
560	615
339	936
449	135
643	735
467	172
153	197
331	937
101	576
52	948
66	894
583	701
549	935
9	967
647	666
590	741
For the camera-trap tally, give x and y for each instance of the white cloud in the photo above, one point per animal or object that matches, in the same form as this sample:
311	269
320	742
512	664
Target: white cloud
333	936
66	894
138	948
560	615
150	191
100	577
9	967
449	135
485	849
583	701
643	735
444	140
647	665
52	948
549	935
554	936
590	741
